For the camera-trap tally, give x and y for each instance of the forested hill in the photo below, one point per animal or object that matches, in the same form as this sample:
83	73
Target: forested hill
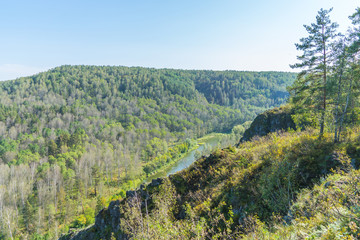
141	98
73	136
226	88
241	89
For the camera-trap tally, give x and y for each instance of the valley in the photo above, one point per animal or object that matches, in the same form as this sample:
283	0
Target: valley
205	146
180	120
293	174
81	136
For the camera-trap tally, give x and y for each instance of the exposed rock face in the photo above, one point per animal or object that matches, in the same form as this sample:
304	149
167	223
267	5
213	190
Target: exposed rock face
270	121
107	225
107	221
109	218
84	234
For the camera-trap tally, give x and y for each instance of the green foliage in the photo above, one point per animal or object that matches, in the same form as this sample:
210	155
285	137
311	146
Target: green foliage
312	82
172	154
267	189
7	145
160	223
327	211
290	185
327	88
75	133
79	222
26	157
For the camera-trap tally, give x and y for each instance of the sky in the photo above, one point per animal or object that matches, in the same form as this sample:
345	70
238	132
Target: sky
245	35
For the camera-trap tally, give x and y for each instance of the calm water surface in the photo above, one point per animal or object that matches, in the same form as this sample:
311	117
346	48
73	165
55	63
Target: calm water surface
187	159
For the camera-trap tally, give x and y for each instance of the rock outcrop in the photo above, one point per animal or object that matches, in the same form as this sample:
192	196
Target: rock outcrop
273	120
107	221
107	225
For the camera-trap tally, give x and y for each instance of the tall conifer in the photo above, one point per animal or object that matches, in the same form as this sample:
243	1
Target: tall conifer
317	57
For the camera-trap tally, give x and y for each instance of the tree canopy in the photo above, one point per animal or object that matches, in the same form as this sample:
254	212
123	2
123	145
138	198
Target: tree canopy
76	136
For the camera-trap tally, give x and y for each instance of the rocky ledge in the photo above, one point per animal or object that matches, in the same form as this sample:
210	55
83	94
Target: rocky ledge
273	120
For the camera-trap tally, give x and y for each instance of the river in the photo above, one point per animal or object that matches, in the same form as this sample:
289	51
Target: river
211	142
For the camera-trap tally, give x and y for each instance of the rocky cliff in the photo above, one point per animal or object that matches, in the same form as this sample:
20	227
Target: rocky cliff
107	221
273	120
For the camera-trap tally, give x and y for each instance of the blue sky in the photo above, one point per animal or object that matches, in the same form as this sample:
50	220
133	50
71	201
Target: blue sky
257	35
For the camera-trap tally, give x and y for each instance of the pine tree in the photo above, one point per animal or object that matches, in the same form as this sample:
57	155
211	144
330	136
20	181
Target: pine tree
347	72
317	58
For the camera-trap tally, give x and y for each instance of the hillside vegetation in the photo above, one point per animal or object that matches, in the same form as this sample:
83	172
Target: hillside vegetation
74	137
289	184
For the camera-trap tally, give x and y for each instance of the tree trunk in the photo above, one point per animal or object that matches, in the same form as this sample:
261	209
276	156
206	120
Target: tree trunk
345	109
322	119
337	111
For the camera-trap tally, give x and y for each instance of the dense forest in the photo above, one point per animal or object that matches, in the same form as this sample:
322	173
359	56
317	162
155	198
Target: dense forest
77	140
300	181
75	137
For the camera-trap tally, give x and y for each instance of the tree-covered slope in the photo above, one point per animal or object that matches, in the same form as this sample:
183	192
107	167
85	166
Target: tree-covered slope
301	184
120	94
270	188
238	89
75	135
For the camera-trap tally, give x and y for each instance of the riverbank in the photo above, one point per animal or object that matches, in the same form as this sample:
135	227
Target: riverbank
117	190
208	142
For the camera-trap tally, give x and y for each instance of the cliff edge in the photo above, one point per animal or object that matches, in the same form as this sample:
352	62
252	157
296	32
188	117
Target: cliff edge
273	120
